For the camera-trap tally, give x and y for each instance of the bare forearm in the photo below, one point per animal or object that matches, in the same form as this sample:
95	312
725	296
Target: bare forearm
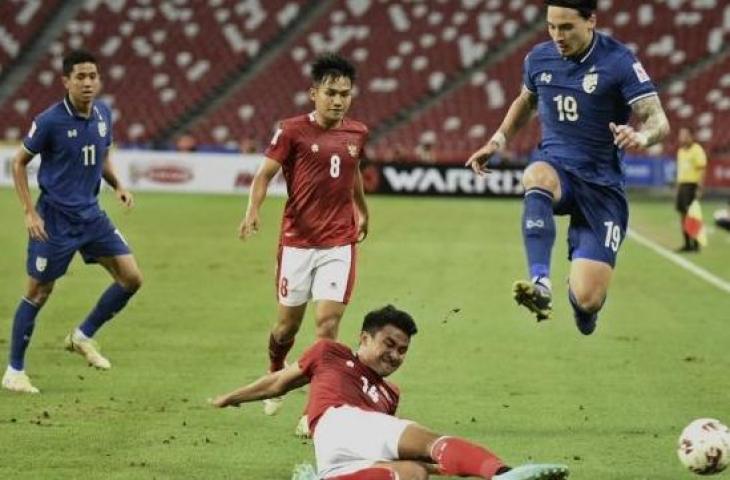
259	188
110	175
359	195
22	189
265	387
519	113
654	122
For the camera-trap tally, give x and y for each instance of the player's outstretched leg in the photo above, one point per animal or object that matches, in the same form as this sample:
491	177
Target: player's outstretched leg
538	471
535	296
538	233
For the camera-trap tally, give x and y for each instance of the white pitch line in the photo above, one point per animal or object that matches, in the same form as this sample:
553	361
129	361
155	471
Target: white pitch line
682	262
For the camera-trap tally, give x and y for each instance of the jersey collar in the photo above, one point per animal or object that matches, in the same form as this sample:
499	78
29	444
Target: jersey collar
72	112
588	53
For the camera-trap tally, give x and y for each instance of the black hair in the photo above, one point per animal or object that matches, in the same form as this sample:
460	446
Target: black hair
389	315
585	8
331	65
75	57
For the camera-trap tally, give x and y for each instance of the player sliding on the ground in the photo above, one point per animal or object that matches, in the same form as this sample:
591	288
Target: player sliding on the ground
352	413
584	85
73	138
325	214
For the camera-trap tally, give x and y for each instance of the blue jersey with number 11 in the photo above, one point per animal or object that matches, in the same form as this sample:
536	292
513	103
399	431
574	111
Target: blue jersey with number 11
72	150
578	98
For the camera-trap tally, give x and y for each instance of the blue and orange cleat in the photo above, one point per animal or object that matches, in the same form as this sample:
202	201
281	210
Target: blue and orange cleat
536	471
536	297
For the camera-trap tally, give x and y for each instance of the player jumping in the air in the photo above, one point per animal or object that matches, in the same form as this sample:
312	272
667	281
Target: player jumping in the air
584	85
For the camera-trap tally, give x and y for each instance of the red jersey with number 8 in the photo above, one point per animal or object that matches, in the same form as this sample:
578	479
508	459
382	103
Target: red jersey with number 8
319	166
338	378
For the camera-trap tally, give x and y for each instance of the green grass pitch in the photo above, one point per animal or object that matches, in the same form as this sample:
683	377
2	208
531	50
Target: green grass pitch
611	406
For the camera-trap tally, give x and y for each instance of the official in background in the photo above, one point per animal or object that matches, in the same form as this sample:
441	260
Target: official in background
691	165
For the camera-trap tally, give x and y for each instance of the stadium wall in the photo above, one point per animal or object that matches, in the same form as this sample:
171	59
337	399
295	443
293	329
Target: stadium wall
169	171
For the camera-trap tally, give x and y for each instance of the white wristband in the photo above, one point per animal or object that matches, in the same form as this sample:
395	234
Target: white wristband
499	139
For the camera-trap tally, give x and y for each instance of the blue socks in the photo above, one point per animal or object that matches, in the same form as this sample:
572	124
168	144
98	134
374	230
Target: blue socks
23	325
111	302
538	230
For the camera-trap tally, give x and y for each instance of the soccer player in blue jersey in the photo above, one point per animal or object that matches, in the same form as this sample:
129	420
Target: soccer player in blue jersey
73	138
584	85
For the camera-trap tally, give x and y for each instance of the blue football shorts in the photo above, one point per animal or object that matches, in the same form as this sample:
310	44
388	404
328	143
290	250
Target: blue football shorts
93	238
599	217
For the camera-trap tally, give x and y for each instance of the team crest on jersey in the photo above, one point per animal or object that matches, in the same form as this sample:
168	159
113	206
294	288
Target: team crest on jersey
352	149
546	77
590	82
102	129
41	263
315	148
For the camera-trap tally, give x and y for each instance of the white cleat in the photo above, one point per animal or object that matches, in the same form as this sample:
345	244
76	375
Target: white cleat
88	349
16	381
302	430
273	405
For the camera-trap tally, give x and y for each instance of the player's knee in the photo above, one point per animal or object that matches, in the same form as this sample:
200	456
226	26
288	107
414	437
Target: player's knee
327	326
540	175
132	281
589	301
39	293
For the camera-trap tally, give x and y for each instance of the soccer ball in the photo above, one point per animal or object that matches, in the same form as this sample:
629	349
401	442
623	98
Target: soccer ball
704	446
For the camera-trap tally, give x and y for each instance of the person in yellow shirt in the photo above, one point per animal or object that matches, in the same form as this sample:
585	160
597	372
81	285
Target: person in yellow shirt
691	164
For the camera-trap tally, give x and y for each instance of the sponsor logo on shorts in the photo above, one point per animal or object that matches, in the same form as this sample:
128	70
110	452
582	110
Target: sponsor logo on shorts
41	263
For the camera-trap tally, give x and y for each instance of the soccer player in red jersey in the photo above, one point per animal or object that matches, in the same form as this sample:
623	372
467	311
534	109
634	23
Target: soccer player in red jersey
352	408
325	214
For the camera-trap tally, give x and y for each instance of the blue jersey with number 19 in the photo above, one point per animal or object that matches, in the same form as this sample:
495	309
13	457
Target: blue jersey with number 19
578	98
72	149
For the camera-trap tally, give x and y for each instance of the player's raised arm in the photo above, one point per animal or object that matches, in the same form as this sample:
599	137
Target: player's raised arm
33	221
266	172
362	207
111	178
270	385
521	110
654	125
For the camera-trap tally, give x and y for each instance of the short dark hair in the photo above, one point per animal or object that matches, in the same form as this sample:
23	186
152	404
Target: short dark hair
585	8
389	315
75	57
331	65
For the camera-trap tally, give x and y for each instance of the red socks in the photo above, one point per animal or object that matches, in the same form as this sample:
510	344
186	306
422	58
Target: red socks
277	353
373	473
459	457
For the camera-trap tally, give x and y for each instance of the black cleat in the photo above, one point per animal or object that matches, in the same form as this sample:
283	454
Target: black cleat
535	297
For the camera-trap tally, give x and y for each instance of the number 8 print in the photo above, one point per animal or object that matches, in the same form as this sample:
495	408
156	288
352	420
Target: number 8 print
335	166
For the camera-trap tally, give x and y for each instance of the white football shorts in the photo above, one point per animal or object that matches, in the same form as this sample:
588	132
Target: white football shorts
348	439
315	273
